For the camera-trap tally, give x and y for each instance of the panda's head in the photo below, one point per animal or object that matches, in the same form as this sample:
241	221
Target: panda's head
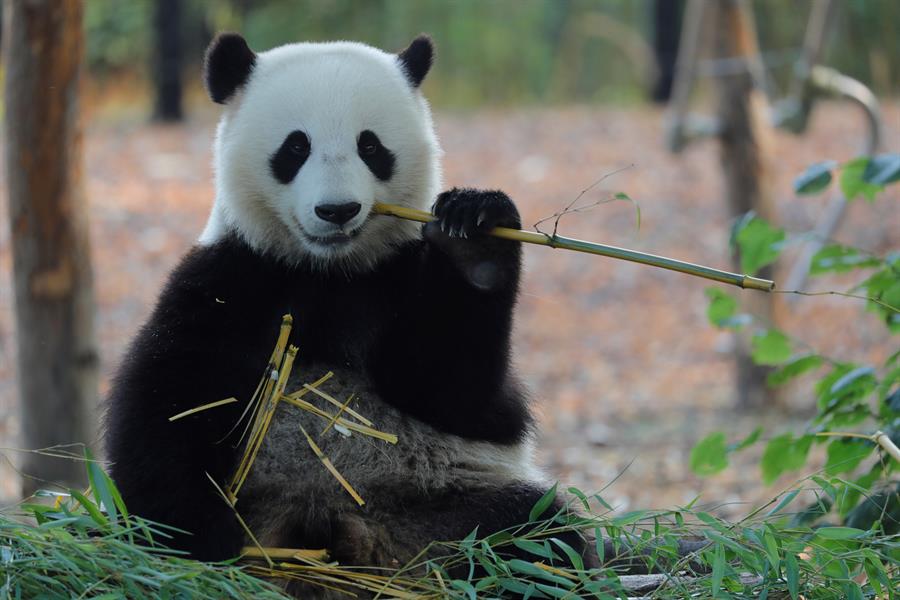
312	135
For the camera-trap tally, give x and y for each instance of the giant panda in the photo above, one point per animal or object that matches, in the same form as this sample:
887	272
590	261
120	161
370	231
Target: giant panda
415	321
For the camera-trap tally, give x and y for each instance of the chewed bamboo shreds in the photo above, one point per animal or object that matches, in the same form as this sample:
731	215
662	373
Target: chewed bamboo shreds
203	407
351	425
263	401
284	553
340	405
240	519
314	384
265	420
265	383
337	415
558	241
337	578
331	468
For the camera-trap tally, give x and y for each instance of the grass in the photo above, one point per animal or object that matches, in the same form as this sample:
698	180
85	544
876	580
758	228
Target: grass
86	545
77	546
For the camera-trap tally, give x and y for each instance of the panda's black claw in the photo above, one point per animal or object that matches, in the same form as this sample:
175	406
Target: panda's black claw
463	213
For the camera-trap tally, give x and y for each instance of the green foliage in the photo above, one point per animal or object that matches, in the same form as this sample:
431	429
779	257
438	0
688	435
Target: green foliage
117	35
835	258
481	55
782	560
794	368
569	57
815	178
883	169
87	545
637	207
722	308
758	243
864	176
854	183
771	347
845	454
858	399
784	453
709	455
79	546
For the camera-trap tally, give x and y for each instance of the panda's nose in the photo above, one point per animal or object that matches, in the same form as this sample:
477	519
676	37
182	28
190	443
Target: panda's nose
338	213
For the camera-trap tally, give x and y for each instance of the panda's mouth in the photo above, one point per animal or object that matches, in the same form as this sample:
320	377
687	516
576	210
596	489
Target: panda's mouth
336	239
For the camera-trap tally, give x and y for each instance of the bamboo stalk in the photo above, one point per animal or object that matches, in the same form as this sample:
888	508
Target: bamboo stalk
881	438
558	241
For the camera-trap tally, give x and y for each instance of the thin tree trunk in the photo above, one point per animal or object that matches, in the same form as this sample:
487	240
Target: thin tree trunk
746	156
57	356
168	59
667	16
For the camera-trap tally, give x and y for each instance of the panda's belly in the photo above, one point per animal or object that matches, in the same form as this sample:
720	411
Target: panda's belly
287	475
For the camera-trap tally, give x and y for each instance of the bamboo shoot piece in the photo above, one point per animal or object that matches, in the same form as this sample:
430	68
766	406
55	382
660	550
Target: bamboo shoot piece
558	241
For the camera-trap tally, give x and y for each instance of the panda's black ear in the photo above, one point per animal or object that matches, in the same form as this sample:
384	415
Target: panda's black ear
228	63
417	58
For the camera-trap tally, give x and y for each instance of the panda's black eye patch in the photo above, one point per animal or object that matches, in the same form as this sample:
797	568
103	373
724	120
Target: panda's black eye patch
288	159
379	159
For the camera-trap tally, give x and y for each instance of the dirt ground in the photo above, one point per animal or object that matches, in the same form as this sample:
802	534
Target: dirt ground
625	372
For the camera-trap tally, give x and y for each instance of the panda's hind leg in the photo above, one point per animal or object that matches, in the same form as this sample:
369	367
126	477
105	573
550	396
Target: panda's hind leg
391	534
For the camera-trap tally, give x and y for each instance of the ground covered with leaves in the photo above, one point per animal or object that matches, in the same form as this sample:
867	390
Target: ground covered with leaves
625	370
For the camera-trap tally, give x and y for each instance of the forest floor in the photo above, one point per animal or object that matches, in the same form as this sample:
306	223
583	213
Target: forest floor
625	371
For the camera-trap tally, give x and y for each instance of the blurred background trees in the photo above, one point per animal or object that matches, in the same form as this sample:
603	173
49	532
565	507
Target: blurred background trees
499	52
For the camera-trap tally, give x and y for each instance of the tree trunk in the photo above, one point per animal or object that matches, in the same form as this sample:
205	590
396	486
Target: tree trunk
168	60
57	356
667	16
746	156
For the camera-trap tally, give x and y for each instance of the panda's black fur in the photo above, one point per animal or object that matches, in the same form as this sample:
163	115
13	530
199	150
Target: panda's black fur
427	332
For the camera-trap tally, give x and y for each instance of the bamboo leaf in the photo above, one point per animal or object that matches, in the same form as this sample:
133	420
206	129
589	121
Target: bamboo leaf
771	348
853	182
784	453
794	368
759	244
709	456
839	533
541	506
844	455
815	178
792	574
835	258
882	169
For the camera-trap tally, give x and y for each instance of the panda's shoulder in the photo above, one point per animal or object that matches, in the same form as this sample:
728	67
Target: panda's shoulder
226	270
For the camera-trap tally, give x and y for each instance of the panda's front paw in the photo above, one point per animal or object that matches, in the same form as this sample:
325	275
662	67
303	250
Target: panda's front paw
463	212
464	216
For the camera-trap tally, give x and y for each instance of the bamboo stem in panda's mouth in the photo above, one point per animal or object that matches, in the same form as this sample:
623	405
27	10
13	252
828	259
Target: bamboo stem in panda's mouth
558	241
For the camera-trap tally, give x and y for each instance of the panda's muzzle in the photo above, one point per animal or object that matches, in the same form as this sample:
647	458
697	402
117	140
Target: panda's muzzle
339	214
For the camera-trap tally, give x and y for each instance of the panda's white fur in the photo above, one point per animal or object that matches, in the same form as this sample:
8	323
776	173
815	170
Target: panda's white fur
332	91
